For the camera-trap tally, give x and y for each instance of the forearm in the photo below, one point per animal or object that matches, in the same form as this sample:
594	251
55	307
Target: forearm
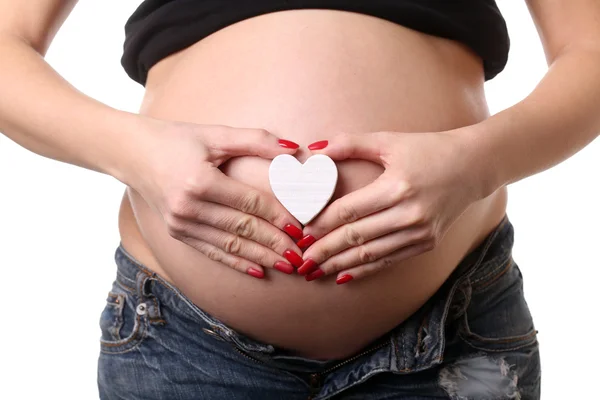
559	118
42	112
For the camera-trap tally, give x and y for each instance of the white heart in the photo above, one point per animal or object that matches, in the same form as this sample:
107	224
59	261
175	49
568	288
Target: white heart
303	189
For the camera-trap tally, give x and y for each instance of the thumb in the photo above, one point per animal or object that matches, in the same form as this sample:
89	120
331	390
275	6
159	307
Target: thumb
366	146
251	142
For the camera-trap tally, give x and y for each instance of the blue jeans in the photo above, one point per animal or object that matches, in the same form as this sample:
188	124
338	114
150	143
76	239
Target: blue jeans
473	340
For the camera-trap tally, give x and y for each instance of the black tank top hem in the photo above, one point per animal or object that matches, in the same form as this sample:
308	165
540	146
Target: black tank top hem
159	28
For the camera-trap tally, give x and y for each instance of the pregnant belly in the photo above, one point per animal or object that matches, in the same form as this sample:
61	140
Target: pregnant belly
306	75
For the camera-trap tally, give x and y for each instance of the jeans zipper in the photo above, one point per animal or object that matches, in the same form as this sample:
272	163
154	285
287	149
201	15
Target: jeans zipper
328	370
315	379
243	353
349	360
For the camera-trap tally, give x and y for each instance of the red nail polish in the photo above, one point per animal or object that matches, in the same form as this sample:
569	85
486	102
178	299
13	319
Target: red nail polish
306	241
293	231
288	144
308	267
255	273
318	145
314	275
284	267
344	279
293	258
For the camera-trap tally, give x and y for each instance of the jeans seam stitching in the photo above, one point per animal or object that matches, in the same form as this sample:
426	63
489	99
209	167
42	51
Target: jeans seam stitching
119	274
105	351
526	344
511	339
492	276
128	289
138	334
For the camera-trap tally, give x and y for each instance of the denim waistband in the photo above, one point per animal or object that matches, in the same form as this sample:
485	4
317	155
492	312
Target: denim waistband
415	345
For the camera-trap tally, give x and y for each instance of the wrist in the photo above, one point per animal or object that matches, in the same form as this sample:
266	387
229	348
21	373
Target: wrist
480	170
129	159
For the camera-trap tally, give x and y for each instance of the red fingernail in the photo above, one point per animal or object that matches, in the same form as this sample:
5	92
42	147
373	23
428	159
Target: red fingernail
318	145
293	231
306	241
255	273
314	275
344	279
284	267
293	258
288	144
308	267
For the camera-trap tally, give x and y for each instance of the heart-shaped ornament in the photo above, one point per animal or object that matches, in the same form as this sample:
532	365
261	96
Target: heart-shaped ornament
303	189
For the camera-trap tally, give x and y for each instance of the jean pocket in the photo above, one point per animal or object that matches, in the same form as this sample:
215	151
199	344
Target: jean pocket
497	317
123	323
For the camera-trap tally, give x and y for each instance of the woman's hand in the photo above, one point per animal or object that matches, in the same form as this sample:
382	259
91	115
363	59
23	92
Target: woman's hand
427	184
226	220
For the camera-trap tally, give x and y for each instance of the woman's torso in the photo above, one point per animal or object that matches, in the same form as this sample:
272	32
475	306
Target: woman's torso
305	75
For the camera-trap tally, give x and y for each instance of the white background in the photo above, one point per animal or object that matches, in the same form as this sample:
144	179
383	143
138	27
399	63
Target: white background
58	230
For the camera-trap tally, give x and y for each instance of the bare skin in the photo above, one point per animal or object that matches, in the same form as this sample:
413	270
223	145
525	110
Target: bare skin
370	75
309	88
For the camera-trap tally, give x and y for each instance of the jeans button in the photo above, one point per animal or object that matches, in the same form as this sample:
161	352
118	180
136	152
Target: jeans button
141	309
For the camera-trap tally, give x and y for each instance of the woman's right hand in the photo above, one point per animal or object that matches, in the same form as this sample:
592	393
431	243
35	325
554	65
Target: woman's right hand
226	220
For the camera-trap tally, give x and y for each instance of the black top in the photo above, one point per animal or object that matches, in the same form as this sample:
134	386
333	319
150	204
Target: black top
159	28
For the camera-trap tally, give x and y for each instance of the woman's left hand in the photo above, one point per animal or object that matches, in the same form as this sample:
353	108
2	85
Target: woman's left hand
428	182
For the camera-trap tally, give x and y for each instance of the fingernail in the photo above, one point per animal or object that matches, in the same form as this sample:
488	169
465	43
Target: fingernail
255	273
318	145
308	267
288	144
293	258
314	275
306	241
293	231
284	267
344	279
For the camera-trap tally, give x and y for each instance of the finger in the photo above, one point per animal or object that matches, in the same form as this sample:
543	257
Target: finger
216	254
374	250
391	260
366	146
219	188
234	142
376	196
245	225
362	271
357	233
237	246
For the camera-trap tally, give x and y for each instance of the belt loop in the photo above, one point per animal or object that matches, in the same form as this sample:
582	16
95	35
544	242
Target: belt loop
461	301
144	289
